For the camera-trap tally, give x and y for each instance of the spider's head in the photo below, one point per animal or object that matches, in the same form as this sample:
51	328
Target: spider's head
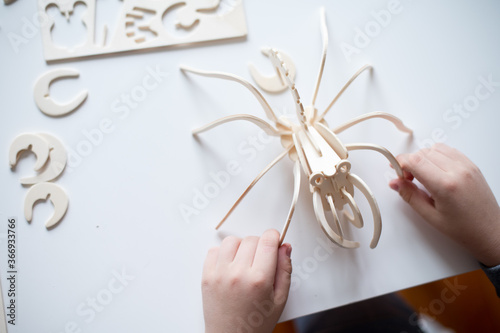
334	185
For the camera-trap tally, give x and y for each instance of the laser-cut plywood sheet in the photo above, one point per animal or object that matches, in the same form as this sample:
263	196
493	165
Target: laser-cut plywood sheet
141	25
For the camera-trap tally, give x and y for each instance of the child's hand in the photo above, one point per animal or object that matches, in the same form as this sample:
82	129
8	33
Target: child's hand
245	284
461	204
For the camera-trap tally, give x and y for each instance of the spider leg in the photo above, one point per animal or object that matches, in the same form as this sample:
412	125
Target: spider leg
259	176
296	190
231	77
377	220
387	116
348	216
330	233
324	34
361	70
255	120
394	162
357	219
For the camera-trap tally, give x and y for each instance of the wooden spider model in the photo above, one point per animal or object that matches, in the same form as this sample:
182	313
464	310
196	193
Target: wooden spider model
316	149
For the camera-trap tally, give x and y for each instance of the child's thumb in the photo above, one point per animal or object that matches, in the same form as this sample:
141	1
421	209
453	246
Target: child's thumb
283	274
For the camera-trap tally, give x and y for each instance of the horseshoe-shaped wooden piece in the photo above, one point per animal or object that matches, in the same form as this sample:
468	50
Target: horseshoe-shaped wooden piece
56	164
42	93
39	146
44	191
51	156
274	83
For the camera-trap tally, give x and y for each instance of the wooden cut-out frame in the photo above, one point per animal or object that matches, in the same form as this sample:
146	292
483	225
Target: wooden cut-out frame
197	15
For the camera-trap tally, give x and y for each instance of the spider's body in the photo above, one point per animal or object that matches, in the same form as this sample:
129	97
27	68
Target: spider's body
316	149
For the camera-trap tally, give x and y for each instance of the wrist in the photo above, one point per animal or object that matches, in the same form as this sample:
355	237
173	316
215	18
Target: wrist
490	254
490	259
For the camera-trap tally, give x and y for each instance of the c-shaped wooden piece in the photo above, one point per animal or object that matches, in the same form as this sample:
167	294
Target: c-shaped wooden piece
275	83
44	191
42	94
51	156
39	146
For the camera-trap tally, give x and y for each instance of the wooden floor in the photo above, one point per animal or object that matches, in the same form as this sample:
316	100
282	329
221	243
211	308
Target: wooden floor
286	327
466	303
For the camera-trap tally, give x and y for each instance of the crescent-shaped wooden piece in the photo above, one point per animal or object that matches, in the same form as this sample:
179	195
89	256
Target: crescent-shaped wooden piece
42	93
39	146
44	191
51	156
56	164
274	83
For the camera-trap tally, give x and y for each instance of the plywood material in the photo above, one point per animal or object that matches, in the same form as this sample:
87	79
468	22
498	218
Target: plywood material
140	25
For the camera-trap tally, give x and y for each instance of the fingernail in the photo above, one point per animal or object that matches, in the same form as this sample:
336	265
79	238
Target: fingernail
394	186
288	250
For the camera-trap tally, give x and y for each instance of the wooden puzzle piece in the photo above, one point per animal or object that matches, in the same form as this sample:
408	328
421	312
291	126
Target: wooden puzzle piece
38	145
42	93
51	156
275	83
51	161
44	191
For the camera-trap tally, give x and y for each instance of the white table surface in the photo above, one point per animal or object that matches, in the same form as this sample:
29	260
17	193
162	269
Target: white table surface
126	194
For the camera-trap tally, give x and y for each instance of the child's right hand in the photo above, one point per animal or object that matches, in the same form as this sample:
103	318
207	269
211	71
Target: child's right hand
461	204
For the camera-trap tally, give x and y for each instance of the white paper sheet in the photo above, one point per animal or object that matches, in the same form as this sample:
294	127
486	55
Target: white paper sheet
125	259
